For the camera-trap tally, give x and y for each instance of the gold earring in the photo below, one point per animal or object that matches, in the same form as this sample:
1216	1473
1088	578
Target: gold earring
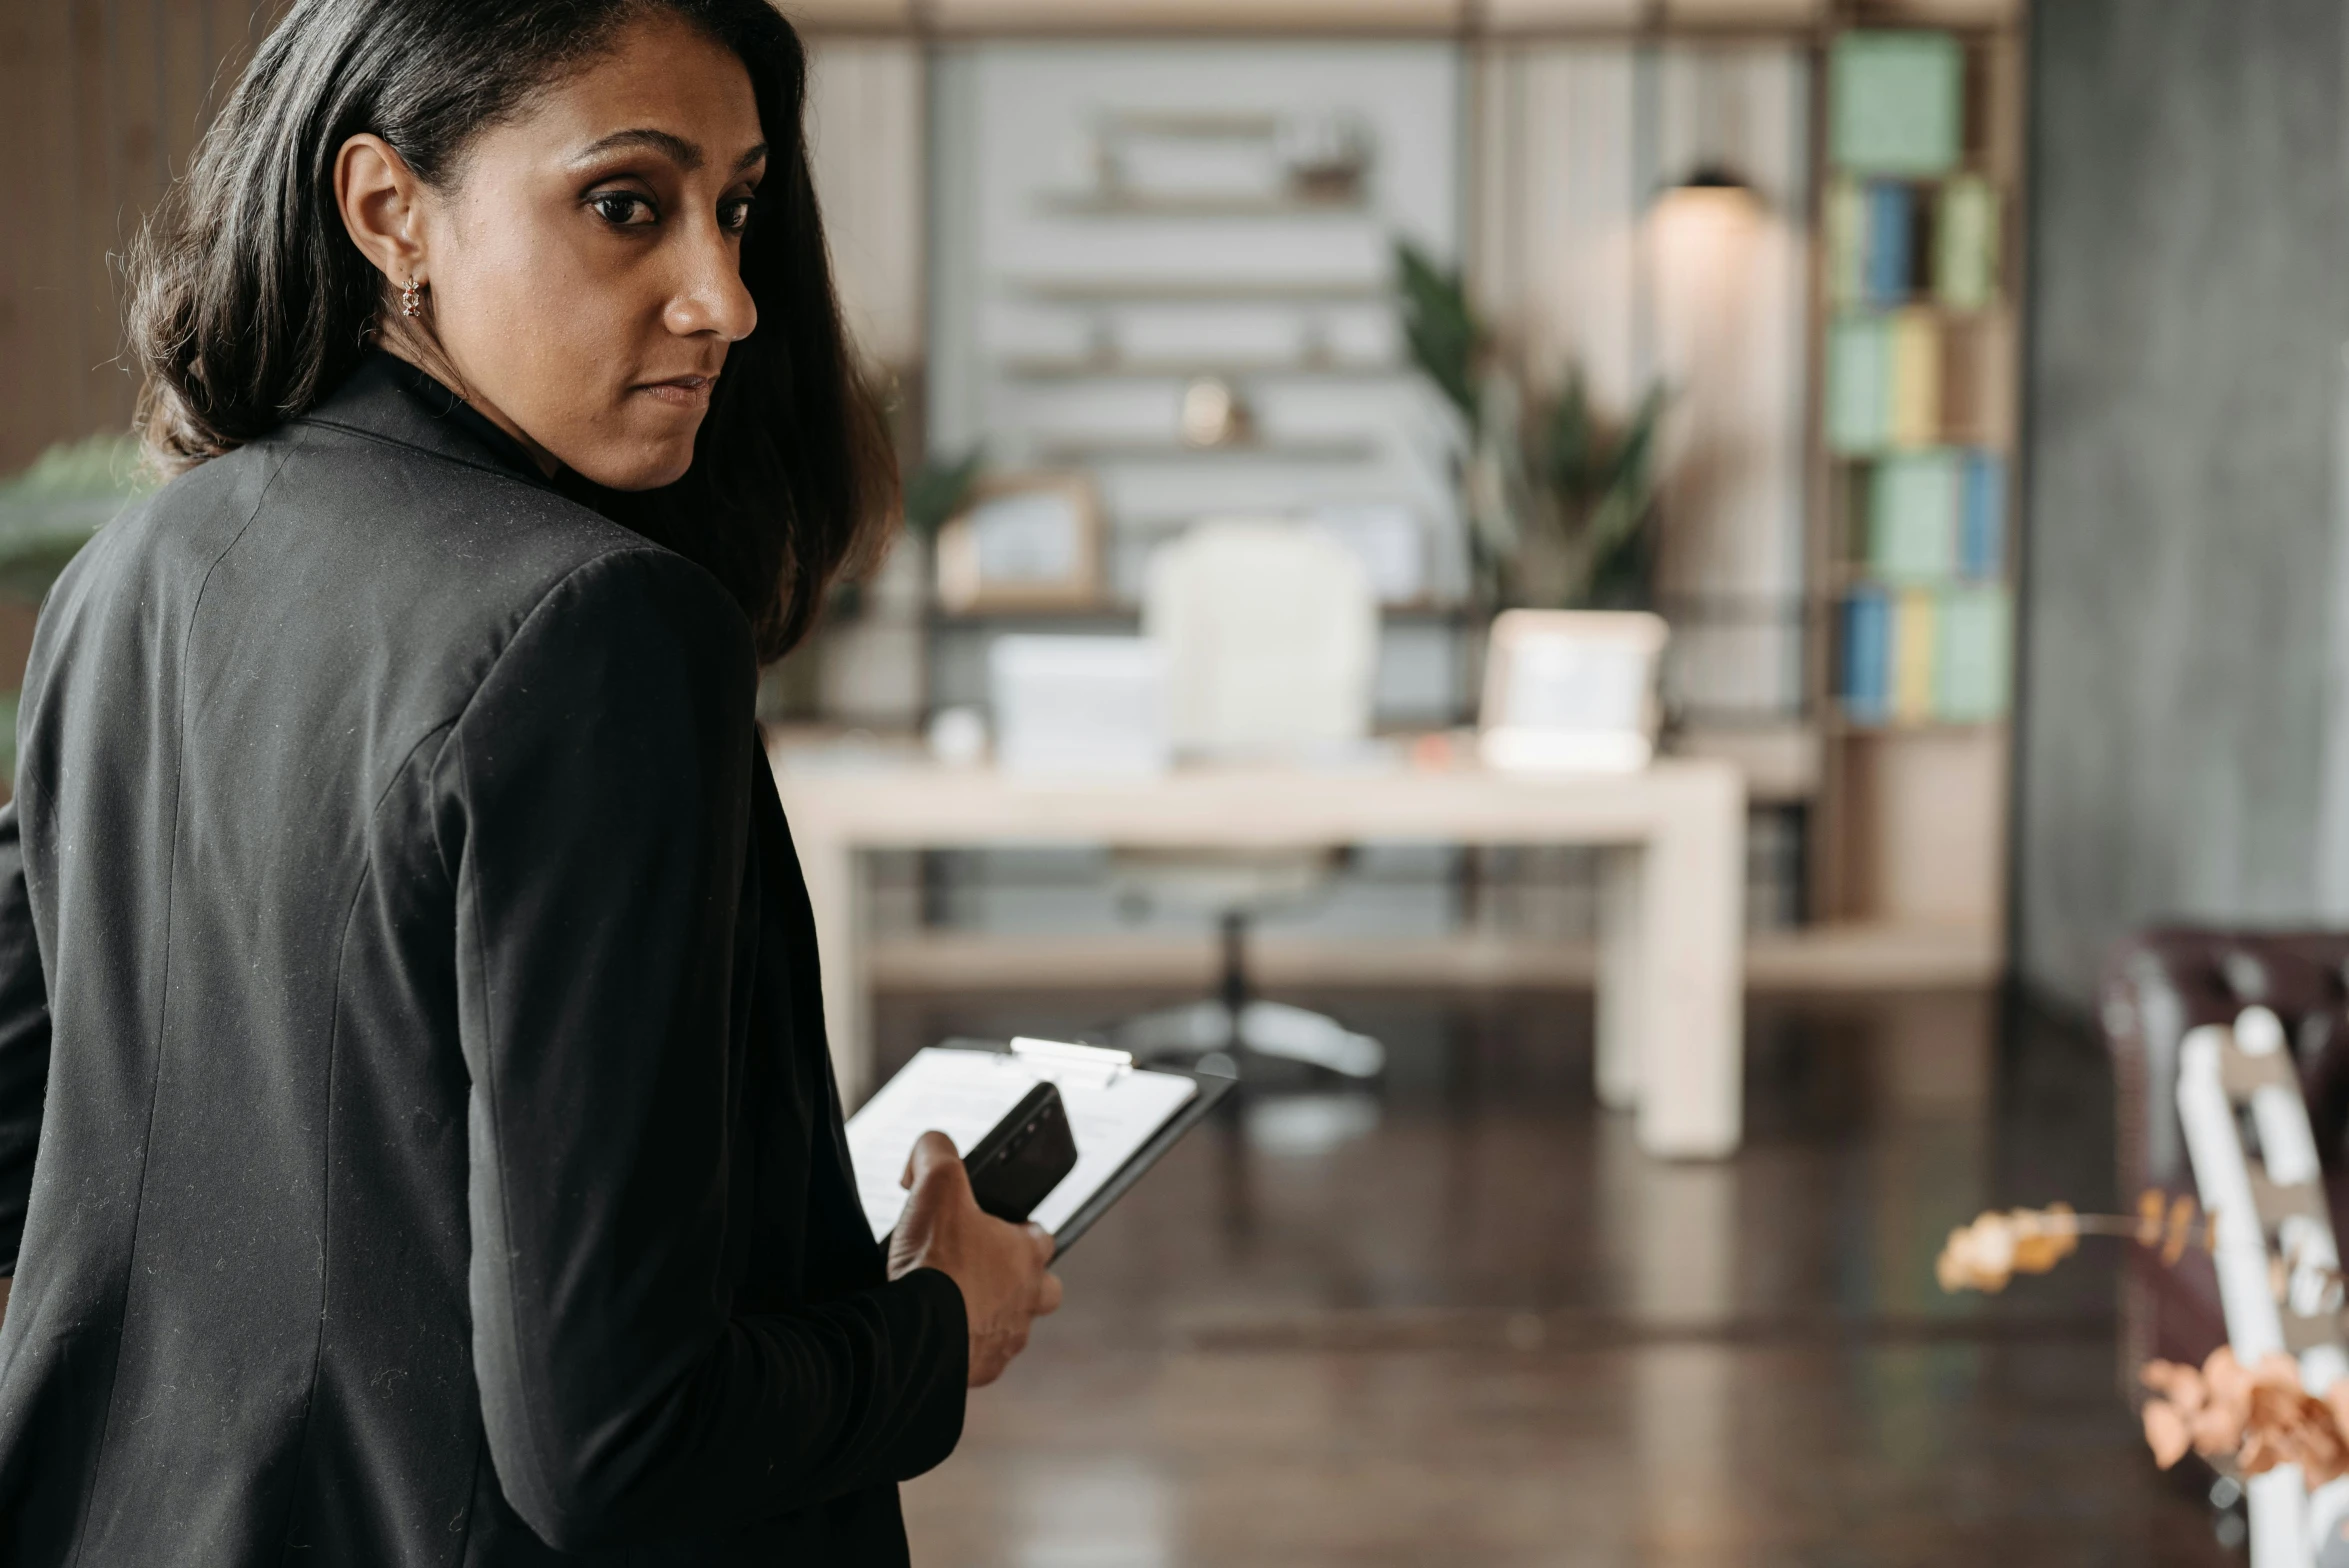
412	299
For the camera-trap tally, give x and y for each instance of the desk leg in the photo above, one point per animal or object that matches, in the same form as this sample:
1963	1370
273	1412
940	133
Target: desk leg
1623	983
833	874
1692	955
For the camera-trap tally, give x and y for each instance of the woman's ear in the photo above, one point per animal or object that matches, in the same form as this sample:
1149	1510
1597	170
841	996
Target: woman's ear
381	201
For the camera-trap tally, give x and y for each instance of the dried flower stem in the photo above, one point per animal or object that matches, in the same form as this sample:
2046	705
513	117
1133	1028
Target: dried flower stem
1997	1246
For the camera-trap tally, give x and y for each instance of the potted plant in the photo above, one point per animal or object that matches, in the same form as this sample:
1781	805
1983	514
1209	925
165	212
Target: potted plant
1560	501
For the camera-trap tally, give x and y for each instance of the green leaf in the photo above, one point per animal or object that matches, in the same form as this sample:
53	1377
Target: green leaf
1569	439
1635	449
1440	326
939	488
53	508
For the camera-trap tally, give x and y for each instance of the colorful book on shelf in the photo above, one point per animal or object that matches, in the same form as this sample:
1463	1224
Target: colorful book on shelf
1890	242
1981	548
1975	654
1844	219
1859	384
1915	614
1867	656
1915	656
1896	102
1914	505
1884	375
1914	417
1965	244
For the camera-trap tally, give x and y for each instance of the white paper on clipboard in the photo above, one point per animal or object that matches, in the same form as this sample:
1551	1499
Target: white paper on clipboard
1112	1112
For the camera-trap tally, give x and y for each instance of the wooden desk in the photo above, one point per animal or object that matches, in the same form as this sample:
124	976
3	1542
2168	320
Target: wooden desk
1670	986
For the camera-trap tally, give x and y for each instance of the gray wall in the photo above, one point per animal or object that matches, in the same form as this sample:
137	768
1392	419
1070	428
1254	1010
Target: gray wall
2184	613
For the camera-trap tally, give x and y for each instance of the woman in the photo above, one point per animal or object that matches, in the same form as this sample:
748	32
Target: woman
405	974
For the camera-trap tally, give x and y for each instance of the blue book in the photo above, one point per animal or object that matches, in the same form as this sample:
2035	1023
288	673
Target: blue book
1982	517
1890	261
1867	656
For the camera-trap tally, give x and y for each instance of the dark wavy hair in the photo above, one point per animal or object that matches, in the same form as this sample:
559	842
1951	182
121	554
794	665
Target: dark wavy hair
249	303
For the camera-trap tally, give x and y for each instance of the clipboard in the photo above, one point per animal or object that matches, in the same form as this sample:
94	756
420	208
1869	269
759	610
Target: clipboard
1212	1088
945	1087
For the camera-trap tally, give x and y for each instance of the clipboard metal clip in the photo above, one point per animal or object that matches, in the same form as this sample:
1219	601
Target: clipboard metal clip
1111	1065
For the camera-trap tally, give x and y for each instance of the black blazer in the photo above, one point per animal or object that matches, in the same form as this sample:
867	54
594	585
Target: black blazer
408	984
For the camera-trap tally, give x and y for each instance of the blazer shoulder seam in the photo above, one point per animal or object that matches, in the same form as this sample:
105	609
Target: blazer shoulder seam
640	549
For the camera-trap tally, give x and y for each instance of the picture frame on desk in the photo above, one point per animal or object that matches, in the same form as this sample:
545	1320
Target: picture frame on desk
1025	541
1571	691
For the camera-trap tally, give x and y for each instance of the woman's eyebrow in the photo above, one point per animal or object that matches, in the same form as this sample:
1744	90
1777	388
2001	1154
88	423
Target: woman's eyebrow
685	154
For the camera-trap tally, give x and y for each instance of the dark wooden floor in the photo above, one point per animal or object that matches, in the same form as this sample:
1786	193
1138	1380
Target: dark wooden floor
1463	1321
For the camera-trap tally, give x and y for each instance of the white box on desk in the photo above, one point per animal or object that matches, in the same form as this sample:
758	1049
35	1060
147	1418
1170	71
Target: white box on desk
1088	707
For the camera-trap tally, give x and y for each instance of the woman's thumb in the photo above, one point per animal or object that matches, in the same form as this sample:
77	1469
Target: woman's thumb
930	1151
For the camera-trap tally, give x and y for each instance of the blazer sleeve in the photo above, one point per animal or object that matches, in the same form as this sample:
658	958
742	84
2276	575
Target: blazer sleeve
594	808
24	1041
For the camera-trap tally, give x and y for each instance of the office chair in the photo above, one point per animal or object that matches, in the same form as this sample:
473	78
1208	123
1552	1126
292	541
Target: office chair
1270	634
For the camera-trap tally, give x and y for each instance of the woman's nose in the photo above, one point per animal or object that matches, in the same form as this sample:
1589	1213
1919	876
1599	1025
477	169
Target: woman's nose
712	296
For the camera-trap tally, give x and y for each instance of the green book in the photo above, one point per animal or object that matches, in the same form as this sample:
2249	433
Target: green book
1914	502
1859	384
1977	636
1965	244
1896	103
1846	221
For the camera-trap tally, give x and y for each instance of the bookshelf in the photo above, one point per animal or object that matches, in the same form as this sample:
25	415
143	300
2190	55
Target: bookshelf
1912	537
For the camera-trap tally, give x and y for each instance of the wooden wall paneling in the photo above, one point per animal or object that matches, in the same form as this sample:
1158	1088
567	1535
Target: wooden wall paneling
2002	69
1729	300
237	28
1579	265
1487	256
1185	15
25	172
866	143
186	47
1941	13
102	183
1744	13
140	90
57	365
1727	273
1554	243
1600	17
1530	15
72	188
1555	256
815	17
113	94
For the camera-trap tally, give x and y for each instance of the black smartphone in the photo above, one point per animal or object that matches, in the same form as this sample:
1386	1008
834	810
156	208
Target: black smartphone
1027	1154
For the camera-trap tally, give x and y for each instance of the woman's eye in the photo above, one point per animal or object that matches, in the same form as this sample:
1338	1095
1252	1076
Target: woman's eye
734	216
622	210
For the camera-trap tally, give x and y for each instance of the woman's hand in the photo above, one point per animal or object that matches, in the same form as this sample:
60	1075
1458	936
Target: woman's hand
1000	1267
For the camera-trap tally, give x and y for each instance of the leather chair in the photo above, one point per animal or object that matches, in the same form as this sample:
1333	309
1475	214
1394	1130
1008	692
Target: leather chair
2156	988
1270	630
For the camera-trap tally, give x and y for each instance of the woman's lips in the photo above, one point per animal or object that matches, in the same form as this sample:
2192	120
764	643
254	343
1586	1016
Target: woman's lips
681	391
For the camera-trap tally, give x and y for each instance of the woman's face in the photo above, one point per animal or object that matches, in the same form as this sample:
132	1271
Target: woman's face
583	264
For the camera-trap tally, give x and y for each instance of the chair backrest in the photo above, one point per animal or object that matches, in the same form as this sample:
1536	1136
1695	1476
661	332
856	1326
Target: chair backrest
1270	630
